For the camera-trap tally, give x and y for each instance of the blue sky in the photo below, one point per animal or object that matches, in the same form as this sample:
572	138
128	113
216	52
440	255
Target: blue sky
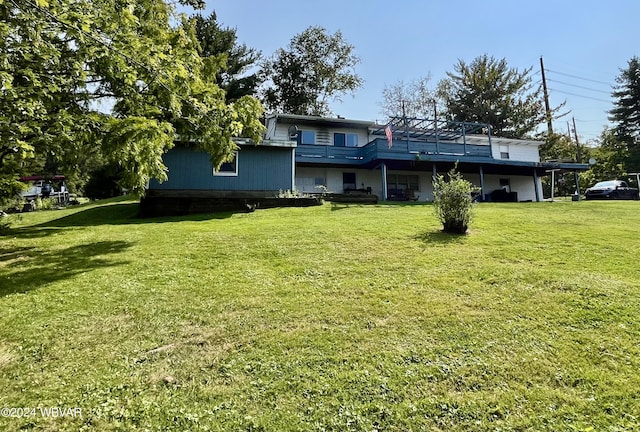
584	43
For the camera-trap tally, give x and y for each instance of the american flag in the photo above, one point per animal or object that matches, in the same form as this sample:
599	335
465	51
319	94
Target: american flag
389	133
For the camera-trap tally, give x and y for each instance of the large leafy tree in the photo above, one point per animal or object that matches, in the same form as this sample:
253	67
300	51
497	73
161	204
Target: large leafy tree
316	68
410	98
560	147
112	77
222	42
610	154
488	91
626	111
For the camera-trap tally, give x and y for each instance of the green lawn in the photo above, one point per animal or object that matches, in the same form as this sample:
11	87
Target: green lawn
331	318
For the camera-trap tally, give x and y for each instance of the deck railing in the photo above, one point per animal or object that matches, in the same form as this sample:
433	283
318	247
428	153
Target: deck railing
400	150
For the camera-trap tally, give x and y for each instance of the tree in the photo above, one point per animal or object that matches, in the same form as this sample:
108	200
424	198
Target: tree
61	59
559	147
626	111
219	42
413	99
488	91
610	154
316	68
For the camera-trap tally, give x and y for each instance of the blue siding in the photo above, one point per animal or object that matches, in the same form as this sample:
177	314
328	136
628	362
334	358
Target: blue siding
259	168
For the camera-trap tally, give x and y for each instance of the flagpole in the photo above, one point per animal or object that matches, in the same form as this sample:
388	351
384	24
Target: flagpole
435	124
406	124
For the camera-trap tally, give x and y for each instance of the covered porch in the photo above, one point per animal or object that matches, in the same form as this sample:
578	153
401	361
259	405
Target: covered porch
498	180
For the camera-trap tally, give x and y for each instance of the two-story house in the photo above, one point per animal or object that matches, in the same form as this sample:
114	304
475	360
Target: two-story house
393	161
345	154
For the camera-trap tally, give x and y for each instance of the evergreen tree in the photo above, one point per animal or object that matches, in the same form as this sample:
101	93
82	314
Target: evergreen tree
488	91
222	43
626	111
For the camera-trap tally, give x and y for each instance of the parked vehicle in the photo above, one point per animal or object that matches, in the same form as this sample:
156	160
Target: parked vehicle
611	189
45	187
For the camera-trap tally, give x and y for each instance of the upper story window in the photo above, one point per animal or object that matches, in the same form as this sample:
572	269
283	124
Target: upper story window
504	152
229	169
306	137
345	140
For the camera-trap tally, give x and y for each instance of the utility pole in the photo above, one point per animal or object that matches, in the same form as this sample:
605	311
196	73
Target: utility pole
578	158
575	132
546	99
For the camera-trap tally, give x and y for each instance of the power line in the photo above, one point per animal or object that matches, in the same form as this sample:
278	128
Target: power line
581	96
579	86
578	77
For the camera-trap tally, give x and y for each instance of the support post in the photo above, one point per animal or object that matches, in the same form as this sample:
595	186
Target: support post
464	139
481	184
535	185
433	177
383	168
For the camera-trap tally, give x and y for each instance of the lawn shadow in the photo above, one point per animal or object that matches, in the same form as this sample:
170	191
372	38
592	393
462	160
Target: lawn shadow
440	237
9	254
26	269
112	214
335	206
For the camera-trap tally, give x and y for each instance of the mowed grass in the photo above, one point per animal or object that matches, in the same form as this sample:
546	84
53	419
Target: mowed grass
332	318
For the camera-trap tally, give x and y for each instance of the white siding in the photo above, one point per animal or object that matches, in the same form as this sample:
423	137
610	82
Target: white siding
305	179
526	151
324	136
305	182
523	185
271	129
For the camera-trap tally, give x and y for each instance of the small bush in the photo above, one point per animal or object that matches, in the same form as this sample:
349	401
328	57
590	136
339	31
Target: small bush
46	203
291	194
453	202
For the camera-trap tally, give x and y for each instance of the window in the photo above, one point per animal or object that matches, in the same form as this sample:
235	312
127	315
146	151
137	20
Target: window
318	181
504	184
228	169
349	181
403	182
342	140
504	152
306	137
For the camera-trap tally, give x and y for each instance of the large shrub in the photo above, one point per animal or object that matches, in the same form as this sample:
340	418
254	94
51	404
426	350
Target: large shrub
453	202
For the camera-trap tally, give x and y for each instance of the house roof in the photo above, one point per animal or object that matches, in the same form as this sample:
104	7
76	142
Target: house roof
320	121
265	142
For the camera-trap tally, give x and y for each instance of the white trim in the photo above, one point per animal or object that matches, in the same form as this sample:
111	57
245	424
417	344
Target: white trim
293	170
228	173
